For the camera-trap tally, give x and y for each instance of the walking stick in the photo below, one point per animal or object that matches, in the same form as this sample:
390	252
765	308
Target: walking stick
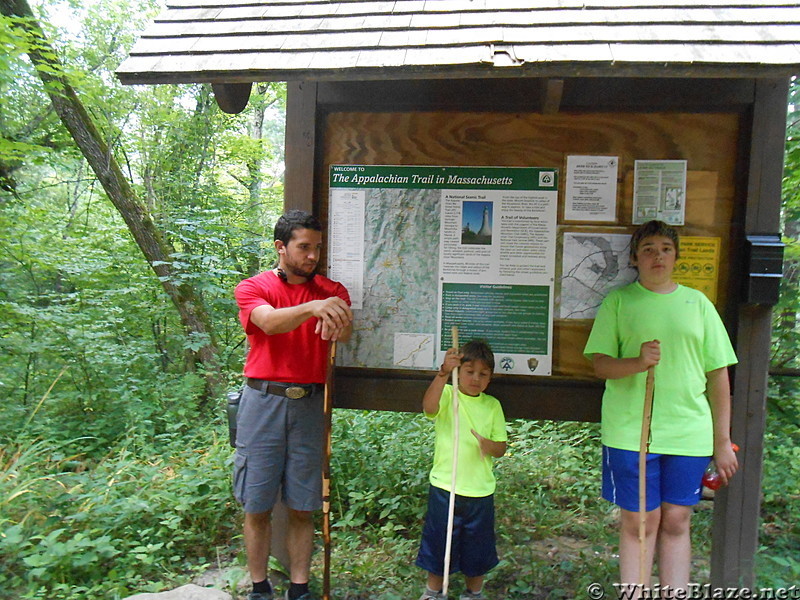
644	446
452	506
326	475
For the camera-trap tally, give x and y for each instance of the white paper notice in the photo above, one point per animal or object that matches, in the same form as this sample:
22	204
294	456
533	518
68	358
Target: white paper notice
591	193
346	242
659	191
497	265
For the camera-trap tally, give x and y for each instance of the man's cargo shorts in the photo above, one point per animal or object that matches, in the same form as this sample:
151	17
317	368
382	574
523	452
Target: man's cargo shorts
278	446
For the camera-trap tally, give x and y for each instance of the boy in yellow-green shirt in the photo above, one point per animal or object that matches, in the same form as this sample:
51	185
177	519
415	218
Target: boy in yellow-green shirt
655	322
482	437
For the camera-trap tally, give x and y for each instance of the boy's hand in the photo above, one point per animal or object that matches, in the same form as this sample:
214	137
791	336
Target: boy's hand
452	359
650	354
481	442
490	447
726	461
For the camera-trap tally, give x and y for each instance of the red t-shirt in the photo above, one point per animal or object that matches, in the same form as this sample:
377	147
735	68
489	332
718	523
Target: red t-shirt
298	356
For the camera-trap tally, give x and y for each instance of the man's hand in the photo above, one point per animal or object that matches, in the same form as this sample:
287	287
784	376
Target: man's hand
333	317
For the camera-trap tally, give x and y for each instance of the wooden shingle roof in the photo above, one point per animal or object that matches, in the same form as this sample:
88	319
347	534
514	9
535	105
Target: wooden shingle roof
285	40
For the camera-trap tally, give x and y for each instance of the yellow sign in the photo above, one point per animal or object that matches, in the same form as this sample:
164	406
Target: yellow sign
698	266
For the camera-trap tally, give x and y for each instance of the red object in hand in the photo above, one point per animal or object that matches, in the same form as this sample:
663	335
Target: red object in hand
711	478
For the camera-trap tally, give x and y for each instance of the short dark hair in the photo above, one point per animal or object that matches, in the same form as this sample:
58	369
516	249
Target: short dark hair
478	350
294	219
652	228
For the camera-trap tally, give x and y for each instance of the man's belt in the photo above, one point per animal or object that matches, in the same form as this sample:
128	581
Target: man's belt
294	391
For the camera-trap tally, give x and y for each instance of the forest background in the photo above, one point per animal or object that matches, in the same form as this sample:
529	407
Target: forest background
118	339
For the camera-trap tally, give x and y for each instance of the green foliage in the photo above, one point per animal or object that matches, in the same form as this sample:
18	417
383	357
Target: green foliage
74	526
786	337
778	562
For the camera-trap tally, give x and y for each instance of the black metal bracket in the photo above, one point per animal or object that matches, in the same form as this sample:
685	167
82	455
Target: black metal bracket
764	262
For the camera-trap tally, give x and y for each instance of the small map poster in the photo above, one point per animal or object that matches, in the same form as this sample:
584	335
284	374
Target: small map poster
593	264
426	248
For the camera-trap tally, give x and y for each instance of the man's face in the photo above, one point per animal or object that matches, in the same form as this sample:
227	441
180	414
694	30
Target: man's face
301	255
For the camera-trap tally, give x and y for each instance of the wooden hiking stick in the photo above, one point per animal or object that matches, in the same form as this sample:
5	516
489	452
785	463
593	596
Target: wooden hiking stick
644	446
327	408
452	506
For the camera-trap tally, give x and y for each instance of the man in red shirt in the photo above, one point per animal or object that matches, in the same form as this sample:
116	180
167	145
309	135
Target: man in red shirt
289	314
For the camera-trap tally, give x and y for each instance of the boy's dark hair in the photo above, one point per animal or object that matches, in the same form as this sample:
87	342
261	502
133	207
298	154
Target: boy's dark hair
478	350
294	219
652	228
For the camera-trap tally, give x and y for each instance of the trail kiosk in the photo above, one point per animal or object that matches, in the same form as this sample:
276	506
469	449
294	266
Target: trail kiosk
621	110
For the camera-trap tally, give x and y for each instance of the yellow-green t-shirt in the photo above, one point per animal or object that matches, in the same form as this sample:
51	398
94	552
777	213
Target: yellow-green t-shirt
474	476
693	342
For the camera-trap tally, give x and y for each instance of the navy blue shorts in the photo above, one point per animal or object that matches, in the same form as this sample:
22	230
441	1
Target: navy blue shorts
473	551
672	479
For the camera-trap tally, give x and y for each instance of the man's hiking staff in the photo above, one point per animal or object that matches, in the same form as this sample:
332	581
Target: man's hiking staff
452	506
644	447
327	408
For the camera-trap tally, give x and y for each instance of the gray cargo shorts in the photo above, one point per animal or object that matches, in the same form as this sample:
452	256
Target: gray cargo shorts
278	446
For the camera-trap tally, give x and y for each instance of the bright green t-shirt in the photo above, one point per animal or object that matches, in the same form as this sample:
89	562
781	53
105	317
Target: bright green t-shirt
693	342
474	477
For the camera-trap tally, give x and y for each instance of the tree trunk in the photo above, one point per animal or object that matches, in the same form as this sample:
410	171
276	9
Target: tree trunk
254	185
156	250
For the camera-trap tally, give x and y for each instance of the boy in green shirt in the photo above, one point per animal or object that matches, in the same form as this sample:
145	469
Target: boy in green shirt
657	322
482	437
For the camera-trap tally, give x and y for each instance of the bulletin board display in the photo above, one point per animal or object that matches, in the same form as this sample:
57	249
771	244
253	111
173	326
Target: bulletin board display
589	252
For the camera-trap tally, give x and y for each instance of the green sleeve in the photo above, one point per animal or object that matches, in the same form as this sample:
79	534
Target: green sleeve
499	432
604	337
717	349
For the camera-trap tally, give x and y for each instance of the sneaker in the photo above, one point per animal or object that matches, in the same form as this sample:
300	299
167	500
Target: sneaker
428	595
471	596
260	596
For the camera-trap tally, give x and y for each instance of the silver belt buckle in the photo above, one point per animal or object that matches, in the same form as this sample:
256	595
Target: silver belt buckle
295	392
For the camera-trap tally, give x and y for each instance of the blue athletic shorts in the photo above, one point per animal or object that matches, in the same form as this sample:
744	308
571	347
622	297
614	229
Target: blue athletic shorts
672	479
473	550
278	446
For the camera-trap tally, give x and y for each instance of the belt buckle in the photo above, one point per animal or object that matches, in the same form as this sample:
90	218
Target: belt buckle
295	392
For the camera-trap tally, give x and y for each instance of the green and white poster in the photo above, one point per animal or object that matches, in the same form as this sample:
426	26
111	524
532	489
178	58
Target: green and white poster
424	248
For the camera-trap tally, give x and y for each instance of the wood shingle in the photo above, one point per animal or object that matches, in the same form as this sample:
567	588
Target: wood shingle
267	40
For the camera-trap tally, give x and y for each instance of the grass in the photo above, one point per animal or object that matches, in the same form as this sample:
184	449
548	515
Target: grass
149	514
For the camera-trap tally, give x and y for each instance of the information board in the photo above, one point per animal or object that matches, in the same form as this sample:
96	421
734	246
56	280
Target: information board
424	248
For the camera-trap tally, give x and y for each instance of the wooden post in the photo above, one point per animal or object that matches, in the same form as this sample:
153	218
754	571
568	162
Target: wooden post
448	547
736	508
644	447
326	474
301	141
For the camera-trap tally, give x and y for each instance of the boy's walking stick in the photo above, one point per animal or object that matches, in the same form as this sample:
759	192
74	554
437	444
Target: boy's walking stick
644	446
451	508
326	474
